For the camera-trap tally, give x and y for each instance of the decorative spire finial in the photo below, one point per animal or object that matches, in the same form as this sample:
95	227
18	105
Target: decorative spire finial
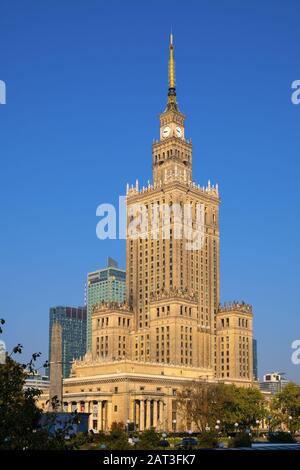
172	104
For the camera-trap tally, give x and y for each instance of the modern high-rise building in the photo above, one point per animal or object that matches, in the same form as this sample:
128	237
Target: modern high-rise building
73	325
105	285
36	380
255	360
273	382
172	330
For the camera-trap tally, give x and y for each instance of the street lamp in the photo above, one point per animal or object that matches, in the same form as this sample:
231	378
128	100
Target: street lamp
269	424
290	423
257	426
236	425
127	427
174	429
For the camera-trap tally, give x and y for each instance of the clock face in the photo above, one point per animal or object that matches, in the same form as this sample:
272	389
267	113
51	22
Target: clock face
178	131
166	131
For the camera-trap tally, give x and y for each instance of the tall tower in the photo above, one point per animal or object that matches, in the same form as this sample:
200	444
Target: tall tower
235	342
173	289
171	331
56	368
73	322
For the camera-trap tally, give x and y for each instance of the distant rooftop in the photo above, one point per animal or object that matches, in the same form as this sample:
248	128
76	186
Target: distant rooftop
111	263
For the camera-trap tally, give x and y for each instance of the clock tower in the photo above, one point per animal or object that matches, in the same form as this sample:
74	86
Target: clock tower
172	154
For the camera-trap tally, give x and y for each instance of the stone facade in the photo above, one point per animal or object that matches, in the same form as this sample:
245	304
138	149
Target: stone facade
171	331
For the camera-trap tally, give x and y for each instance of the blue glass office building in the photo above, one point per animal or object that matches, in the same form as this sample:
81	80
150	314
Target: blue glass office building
104	285
73	321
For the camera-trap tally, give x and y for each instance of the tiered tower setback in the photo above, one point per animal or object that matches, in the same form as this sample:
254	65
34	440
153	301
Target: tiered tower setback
171	331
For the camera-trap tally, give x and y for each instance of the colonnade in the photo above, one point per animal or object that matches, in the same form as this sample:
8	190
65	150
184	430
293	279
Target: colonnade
148	413
100	412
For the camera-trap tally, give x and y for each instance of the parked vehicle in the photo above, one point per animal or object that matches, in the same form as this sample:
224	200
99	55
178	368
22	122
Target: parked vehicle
187	443
164	443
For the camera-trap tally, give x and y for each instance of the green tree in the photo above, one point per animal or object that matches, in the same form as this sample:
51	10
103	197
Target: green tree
118	438
250	406
285	407
19	414
205	403
148	440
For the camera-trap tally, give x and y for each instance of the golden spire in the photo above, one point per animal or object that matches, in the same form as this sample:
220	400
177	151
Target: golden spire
172	90
171	64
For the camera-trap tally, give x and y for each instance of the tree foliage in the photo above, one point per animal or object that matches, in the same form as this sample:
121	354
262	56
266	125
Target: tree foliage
19	414
285	407
206	403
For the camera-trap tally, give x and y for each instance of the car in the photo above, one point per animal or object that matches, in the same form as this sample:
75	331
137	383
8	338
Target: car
187	443
164	443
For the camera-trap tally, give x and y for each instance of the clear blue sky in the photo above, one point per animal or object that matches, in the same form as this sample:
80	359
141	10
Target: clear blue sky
85	84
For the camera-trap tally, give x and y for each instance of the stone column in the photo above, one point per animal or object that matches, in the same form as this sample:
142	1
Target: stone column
99	417
109	414
131	410
142	415
155	410
104	415
169	414
162	415
148	414
137	414
90	410
134	412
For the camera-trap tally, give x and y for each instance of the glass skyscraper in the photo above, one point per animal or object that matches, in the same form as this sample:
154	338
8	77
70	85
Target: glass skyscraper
73	322
104	285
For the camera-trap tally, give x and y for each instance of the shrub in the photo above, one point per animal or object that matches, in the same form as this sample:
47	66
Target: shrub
148	440
240	440
207	440
117	426
118	441
281	437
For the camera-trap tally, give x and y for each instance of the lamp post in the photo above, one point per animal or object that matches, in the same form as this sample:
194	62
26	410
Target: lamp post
269	418
218	427
290	423
236	425
174	429
257	426
127	426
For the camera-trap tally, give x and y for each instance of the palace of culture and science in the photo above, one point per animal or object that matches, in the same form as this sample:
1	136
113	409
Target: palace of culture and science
172	331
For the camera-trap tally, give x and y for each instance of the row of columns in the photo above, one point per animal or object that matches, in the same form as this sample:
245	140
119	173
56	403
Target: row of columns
100	412
148	413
